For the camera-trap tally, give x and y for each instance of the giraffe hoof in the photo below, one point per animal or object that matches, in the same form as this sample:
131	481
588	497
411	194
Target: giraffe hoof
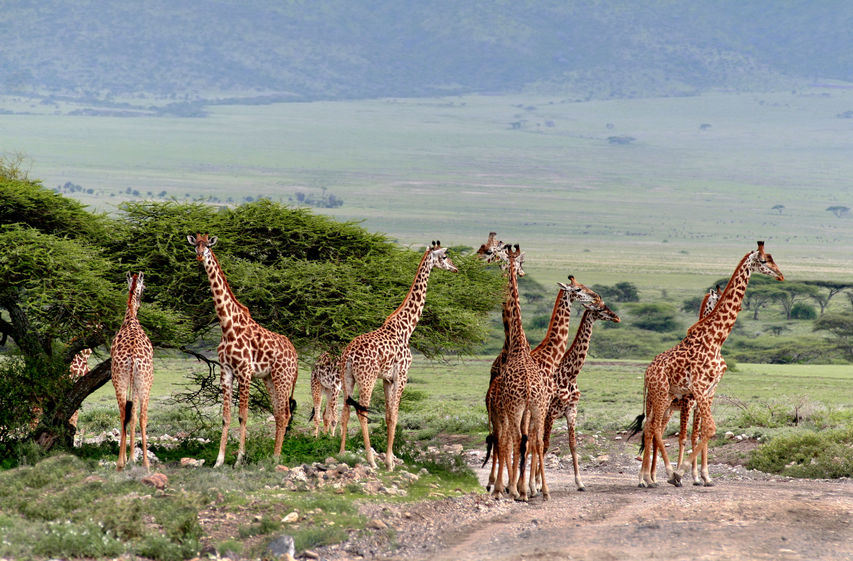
674	480
697	482
546	496
488	487
581	488
709	484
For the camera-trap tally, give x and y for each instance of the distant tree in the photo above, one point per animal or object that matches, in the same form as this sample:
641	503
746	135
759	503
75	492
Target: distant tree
841	327
778	208
778	329
619	292
620	139
691	305
654	317
828	289
790	293
704	126
838	210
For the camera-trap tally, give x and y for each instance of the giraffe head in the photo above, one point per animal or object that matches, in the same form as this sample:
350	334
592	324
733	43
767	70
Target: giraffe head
135	286
575	291
763	263
487	249
438	258
709	301
202	245
501	254
600	311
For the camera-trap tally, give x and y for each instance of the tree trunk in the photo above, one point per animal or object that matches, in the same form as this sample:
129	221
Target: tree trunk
54	428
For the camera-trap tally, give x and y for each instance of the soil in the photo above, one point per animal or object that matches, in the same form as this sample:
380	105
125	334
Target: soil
745	515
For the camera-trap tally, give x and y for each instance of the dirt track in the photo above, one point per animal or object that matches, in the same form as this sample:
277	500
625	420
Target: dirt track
746	515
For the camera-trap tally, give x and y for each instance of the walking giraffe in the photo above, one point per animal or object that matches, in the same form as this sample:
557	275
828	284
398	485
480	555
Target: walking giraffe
687	403
325	380
384	353
564	401
132	371
694	367
246	351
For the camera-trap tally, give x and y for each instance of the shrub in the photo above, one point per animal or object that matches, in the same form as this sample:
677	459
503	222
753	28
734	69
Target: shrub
803	311
654	317
827	454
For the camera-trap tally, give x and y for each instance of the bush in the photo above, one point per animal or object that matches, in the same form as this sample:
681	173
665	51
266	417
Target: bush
828	454
803	311
654	317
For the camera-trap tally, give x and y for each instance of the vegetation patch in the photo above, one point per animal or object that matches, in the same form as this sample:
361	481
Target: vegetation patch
811	454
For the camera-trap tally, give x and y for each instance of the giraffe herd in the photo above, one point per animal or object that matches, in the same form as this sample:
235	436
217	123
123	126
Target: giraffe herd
529	388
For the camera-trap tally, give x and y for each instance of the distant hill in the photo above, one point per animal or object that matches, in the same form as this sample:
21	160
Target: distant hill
337	49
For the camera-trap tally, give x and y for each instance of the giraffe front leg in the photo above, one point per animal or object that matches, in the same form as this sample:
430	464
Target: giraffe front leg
226	381
707	431
317	398
281	410
329	416
364	394
694	438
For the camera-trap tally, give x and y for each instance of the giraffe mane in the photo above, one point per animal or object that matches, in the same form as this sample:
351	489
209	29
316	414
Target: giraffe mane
411	288
240	305
705	318
132	290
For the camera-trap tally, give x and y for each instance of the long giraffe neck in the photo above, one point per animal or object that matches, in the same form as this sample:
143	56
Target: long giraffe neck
227	307
405	318
718	323
574	358
515	329
549	352
132	303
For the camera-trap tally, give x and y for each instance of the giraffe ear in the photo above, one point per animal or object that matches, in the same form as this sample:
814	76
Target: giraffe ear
212	241
139	277
191	239
129	277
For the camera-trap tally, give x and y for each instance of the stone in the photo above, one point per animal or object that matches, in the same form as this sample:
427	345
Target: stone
156	480
191	462
310	554
281	468
729	435
291	517
281	547
377	524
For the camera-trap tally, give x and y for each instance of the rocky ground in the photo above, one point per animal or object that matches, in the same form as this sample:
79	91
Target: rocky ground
746	515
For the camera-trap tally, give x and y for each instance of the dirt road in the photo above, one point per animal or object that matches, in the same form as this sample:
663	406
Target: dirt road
746	515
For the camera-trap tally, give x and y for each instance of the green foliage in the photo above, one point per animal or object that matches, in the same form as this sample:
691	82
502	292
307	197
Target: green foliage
841	327
825	454
619	292
654	316
778	350
801	310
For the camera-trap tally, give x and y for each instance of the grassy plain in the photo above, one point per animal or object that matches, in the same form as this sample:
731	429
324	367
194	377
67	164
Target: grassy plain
679	200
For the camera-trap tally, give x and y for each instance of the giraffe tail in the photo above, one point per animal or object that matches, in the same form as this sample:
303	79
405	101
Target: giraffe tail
128	412
292	404
523	456
490	440
311	416
636	426
358	406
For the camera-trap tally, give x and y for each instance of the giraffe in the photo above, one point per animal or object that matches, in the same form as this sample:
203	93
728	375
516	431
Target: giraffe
694	367
79	368
132	372
325	379
520	398
687	403
247	351
549	352
564	401
492	244
384	353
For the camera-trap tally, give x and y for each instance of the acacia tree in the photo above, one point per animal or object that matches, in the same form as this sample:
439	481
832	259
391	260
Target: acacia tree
318	281
841	327
828	290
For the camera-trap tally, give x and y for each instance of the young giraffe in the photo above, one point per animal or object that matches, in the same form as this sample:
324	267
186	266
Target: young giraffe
325	379
384	353
687	403
694	367
521	400
132	372
246	351
79	368
564	402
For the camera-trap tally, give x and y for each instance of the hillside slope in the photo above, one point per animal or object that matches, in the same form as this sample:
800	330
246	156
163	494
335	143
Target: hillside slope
335	49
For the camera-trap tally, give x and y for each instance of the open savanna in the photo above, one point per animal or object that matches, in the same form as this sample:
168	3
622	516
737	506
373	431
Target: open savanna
680	199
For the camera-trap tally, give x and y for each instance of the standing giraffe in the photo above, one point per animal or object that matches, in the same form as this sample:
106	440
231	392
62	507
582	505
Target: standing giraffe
564	401
492	244
694	367
384	353
325	380
687	403
132	372
520	398
246	351
548	353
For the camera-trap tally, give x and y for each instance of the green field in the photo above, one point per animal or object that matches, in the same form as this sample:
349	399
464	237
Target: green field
678	203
